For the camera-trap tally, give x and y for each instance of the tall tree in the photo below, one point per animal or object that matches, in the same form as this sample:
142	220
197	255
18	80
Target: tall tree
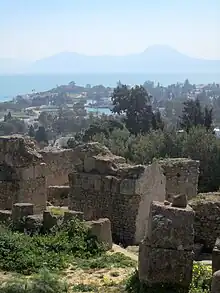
193	115
135	104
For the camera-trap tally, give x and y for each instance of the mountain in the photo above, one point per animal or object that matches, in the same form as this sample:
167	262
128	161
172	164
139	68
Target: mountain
155	59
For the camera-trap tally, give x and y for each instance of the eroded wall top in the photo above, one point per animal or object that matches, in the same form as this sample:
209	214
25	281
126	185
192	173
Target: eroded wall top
18	151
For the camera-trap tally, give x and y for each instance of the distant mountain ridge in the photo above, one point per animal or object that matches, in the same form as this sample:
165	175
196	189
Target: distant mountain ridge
155	59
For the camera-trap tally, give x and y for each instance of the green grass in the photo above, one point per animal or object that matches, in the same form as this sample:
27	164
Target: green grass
116	260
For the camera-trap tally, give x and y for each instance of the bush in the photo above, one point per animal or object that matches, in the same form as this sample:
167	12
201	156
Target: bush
52	251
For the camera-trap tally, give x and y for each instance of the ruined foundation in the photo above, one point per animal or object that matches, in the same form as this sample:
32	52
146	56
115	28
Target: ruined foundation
166	253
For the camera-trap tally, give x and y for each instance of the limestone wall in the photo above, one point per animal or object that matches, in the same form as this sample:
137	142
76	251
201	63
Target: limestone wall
207	218
58	195
59	163
181	177
118	191
21	173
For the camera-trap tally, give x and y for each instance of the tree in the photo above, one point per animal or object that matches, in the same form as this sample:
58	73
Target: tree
157	122
41	135
31	131
193	115
135	104
208	117
7	117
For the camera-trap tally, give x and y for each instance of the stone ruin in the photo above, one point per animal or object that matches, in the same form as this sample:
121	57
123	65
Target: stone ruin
91	179
24	220
138	204
166	252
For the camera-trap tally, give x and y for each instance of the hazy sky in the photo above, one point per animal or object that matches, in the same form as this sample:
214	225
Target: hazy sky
32	29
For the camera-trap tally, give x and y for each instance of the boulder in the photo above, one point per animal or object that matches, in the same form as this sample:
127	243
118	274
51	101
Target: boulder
179	201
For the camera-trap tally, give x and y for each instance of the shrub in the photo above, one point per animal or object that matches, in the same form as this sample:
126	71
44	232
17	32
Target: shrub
52	251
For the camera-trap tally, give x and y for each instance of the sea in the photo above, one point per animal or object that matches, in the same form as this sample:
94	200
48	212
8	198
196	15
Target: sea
12	85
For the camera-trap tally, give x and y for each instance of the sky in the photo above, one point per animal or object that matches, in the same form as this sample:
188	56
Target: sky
34	29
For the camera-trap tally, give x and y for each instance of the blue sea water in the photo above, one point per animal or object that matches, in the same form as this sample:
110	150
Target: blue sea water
12	85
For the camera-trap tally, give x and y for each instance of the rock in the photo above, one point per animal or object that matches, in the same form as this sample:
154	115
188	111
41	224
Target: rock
102	230
34	223
166	203
179	201
215	288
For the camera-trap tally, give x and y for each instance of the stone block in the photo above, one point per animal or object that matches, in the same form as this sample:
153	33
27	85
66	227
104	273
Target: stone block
34	223
102	165
165	266
21	210
5	216
215	287
70	215
170	227
216	256
102	230
49	220
128	186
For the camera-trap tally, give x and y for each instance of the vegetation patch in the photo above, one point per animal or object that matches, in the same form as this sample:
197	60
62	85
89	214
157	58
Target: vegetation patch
53	251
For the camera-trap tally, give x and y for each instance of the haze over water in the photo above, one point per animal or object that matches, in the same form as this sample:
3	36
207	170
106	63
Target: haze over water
11	85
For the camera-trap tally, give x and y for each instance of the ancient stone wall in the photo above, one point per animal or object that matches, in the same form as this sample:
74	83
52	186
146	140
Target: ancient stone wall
207	218
166	252
181	177
21	172
110	188
58	195
59	163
